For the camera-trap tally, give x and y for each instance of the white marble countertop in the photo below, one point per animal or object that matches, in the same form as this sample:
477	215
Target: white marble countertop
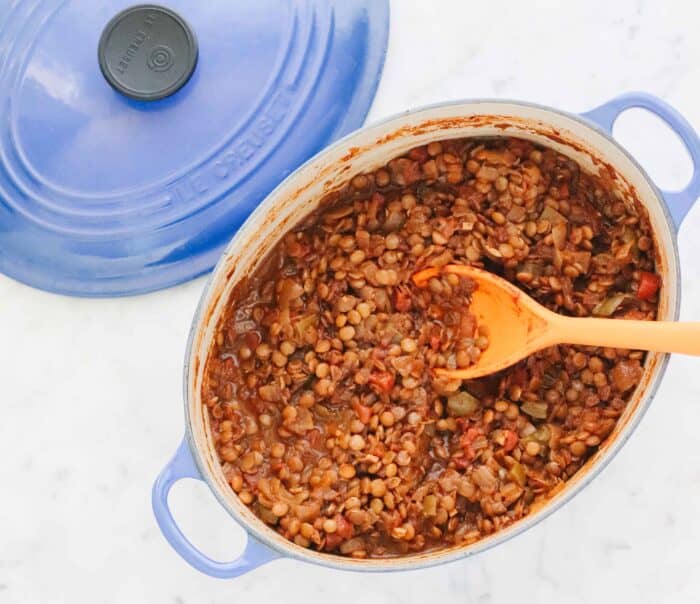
91	402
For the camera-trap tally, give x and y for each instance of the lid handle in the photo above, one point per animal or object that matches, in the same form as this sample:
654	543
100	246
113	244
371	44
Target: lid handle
147	52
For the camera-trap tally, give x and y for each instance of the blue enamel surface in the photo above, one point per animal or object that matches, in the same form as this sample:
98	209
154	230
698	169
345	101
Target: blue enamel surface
182	466
678	202
103	195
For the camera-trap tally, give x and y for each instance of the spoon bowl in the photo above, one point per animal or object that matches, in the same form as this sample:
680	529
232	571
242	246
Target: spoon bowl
519	326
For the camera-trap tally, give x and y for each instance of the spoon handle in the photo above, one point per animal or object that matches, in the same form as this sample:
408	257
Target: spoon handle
658	336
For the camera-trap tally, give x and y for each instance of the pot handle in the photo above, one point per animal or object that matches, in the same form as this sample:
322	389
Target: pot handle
182	466
678	202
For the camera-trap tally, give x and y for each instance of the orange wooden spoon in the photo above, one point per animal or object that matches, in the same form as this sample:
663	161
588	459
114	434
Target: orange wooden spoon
519	326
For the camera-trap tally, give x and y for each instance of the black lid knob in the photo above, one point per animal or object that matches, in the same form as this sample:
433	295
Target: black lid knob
147	52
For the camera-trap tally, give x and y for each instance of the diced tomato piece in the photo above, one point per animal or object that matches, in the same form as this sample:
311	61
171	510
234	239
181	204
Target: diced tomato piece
464	460
412	172
252	480
344	528
363	412
392	519
314	437
466	442
460	462
383	382
419	153
378	199
649	284
402	300
333	540
511	441
379	450
469	436
252	339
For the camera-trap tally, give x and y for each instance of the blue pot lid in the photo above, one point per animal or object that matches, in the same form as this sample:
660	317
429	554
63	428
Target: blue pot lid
130	171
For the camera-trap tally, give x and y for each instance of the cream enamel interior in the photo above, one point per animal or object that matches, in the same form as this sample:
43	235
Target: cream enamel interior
367	149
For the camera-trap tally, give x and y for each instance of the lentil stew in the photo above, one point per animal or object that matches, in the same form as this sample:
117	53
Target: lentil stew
326	417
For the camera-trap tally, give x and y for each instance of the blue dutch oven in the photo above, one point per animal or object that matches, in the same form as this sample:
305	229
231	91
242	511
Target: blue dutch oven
585	138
